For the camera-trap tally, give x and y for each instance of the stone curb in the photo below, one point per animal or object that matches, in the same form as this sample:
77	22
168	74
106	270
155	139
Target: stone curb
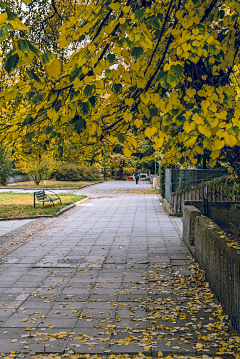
47	215
51	189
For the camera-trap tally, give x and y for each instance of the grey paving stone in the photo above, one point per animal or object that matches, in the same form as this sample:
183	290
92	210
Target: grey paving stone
177	346
58	346
79	348
17	321
135	325
127	349
123	238
58	322
7	345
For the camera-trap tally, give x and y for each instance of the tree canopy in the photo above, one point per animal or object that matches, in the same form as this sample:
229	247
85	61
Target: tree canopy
163	70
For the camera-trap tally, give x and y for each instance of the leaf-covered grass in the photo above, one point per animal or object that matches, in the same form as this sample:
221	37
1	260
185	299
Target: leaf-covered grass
21	204
51	184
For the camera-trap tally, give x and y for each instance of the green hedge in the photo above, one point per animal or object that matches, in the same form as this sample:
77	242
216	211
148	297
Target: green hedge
73	172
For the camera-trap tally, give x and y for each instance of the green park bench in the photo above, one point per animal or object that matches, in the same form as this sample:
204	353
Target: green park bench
42	196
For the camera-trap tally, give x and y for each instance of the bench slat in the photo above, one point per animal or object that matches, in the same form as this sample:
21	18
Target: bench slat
43	197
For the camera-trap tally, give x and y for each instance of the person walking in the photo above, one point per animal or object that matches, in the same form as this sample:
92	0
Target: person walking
136	176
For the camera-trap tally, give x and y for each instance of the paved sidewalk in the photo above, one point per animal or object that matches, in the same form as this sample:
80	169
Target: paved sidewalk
8	226
111	276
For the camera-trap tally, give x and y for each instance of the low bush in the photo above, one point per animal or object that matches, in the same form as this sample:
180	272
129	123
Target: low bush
73	172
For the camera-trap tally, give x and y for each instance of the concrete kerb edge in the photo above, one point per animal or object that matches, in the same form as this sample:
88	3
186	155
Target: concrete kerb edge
71	206
49	189
48	215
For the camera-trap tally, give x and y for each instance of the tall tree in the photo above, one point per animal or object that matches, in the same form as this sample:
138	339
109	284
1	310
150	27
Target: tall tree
162	70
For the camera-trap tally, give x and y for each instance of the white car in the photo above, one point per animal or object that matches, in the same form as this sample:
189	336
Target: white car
144	177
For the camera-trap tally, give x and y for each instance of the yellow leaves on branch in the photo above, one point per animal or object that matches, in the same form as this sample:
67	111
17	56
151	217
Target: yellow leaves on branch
230	140
127	152
178	103
55	69
18	25
150	132
3	18
52	114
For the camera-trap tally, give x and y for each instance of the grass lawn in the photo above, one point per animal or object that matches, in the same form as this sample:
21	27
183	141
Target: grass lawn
21	204
51	184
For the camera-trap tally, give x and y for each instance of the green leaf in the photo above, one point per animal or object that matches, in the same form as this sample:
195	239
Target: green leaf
38	97
117	88
175	111
177	69
89	90
193	57
123	43
60	151
76	71
172	80
49	129
23	45
161	74
155	23
79	124
139	14
121	138
30	94
73	94
11	63
163	82
11	15
3	33
47	57
57	105
52	134
93	100
81	38
28	119
111	58
213	49
189	106
137	52
181	119
4	4
32	75
195	2
153	111
29	136
84	108
221	14
34	49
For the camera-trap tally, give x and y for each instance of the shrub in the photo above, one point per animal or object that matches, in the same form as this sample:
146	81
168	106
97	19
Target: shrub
73	172
94	173
69	172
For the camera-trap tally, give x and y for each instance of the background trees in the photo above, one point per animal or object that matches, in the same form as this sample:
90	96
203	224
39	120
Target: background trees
126	71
